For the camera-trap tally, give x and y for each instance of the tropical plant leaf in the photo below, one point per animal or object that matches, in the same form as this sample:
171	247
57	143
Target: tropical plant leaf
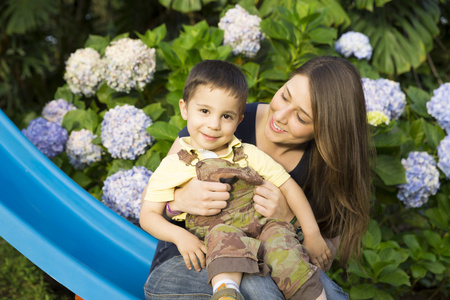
27	15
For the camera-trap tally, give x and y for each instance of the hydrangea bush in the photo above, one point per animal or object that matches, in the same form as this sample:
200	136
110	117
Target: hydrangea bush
354	43
242	31
422	179
84	72
80	149
385	97
55	110
130	64
49	137
124	132
443	152
122	192
439	106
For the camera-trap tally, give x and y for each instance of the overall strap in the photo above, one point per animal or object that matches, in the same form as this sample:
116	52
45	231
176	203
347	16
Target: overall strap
238	153
187	157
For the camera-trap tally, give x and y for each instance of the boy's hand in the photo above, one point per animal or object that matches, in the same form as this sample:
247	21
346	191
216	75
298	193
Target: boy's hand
318	251
192	250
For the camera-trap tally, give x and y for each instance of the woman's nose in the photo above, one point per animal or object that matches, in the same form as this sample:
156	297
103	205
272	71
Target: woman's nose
282	115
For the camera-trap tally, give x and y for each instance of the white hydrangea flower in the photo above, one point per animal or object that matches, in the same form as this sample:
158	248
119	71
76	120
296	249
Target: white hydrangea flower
122	192
439	106
55	110
84	72
242	31
385	96
354	43
80	149
130	64
123	132
443	152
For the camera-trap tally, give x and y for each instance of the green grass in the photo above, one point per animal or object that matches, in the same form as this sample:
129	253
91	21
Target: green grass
20	279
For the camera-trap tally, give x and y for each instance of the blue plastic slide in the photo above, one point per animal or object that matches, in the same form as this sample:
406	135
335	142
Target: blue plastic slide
65	231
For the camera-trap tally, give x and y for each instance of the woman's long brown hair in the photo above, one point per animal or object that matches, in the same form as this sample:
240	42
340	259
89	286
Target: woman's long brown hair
339	175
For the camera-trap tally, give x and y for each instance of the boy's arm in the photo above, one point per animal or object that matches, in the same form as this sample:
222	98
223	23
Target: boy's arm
317	248
190	247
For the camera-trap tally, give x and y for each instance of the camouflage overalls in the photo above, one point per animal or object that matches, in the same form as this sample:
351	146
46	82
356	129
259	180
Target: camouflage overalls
237	236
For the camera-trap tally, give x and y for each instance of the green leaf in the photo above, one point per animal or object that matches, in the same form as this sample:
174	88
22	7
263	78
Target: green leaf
323	35
78	119
177	121
98	43
390	170
434	134
393	138
371	257
163	131
153	37
434	267
64	93
397	277
82	179
433	239
413	245
149	159
120	164
154	111
27	15
417	132
184	6
419	98
438	217
382	295
418	271
362	291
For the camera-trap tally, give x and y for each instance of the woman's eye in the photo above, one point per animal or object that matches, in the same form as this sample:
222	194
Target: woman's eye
284	97
301	120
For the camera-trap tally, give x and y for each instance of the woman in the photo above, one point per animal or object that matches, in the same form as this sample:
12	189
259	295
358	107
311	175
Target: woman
316	128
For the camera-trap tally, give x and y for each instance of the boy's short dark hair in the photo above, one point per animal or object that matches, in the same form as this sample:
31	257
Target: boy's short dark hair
217	74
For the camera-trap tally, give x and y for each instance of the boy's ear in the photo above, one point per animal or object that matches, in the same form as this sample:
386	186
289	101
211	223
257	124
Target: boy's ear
240	120
183	108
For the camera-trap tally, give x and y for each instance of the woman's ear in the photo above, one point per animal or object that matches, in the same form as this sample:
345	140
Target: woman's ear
183	108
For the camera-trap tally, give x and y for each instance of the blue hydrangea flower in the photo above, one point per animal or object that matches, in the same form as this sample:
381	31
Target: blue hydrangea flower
241	31
80	149
422	179
443	151
122	192
55	110
123	132
384	95
354	43
130	64
439	106
49	137
84	72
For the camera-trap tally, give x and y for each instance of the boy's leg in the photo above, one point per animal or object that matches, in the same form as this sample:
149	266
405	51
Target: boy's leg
229	251
289	262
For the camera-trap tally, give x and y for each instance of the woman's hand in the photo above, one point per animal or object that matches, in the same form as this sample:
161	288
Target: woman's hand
318	251
271	203
192	249
201	198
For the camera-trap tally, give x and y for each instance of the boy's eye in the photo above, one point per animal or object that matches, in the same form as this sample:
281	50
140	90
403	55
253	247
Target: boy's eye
205	111
227	117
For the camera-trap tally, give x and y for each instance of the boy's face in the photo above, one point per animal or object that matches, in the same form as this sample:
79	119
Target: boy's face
212	118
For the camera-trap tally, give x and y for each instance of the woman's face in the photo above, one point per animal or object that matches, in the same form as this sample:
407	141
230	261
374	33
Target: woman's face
290	120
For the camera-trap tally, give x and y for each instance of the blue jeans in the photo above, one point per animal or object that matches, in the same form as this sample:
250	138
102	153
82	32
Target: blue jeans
172	280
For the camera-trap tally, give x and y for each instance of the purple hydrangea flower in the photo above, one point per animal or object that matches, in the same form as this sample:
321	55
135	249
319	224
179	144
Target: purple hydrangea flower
422	179
130	64
123	132
443	151
241	31
84	72
122	192
439	106
354	43
80	149
49	137
384	95
55	110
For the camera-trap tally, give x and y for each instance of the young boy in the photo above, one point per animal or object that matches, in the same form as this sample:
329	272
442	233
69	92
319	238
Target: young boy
236	239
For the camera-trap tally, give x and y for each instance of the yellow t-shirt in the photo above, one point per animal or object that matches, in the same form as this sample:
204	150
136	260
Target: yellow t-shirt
173	173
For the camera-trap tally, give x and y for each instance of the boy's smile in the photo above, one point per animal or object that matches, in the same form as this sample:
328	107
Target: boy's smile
212	118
